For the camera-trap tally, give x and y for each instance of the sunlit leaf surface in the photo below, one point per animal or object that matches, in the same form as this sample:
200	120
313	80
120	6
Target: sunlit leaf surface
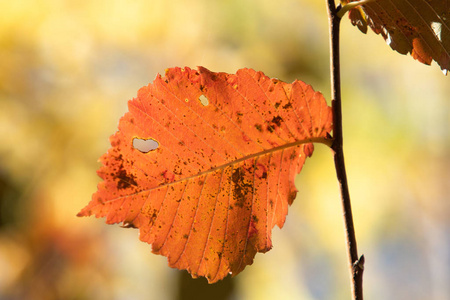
204	165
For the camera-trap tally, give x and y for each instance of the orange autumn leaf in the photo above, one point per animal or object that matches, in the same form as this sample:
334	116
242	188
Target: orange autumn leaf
418	27
204	165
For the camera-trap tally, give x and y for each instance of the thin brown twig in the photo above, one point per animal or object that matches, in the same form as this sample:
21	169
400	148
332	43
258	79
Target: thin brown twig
356	264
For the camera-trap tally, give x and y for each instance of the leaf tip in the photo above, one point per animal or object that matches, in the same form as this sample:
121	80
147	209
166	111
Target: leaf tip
83	213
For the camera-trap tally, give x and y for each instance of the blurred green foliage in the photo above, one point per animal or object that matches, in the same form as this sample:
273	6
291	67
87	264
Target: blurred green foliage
67	69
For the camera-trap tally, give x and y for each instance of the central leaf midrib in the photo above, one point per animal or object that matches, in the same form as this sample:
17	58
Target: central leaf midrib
285	146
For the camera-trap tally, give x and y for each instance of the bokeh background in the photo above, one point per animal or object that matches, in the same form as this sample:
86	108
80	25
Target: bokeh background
67	69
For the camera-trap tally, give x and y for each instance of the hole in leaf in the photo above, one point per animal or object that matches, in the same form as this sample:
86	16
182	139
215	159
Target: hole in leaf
437	28
145	145
203	100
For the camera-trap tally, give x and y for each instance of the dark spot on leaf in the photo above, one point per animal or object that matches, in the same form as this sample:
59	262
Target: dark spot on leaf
153	217
293	156
277	121
125	180
277	104
177	170
258	127
287	106
185	236
241	188
115	143
239	117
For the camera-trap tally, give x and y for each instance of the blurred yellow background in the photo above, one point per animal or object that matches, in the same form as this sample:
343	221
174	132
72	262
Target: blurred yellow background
67	69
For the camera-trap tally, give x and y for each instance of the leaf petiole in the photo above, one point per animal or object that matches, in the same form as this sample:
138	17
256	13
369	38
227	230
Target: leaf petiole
341	12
